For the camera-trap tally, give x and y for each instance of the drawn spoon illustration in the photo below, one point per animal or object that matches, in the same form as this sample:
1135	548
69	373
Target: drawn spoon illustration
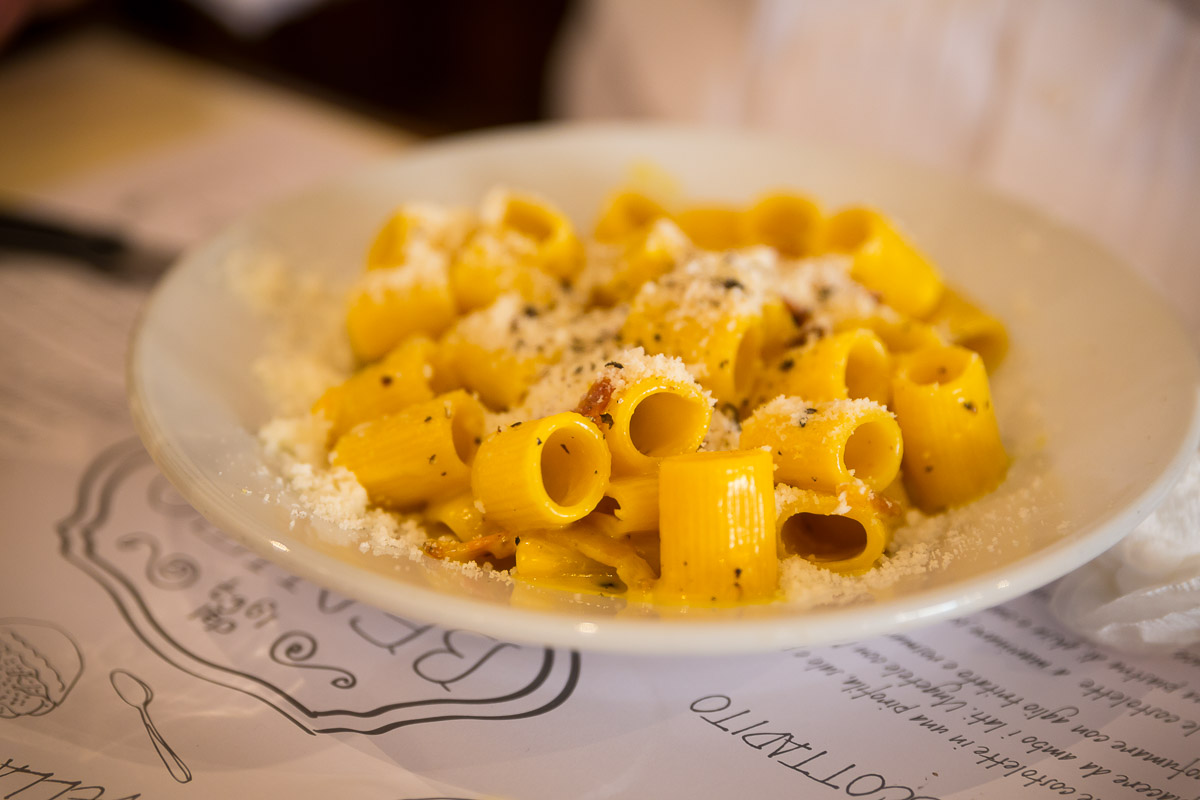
134	691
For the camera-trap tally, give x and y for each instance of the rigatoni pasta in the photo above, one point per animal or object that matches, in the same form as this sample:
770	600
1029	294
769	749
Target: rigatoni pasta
944	408
717	540
419	453
669	409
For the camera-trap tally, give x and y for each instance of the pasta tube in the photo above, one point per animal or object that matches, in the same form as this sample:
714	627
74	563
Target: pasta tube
842	533
823	445
966	324
633	503
545	560
389	305
499	377
780	328
543	473
788	222
899	334
953	452
558	251
525	245
494	262
884	261
844	366
717	528
416	224
417	454
498	351
398	381
712	227
625	214
651	418
459	513
729	350
645	256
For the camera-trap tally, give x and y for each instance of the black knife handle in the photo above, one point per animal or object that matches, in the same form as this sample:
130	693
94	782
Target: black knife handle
21	231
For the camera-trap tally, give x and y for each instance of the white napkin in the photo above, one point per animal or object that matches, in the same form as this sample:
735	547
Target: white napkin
1144	593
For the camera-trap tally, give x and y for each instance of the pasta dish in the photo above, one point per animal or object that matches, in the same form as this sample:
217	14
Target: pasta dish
669	407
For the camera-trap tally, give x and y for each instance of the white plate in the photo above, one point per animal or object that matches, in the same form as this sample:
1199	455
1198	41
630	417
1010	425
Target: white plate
1099	400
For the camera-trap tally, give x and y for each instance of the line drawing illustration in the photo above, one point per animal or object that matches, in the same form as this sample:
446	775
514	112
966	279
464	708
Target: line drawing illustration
108	537
138	694
39	665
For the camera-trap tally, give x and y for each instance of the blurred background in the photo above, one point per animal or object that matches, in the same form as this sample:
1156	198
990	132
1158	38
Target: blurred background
428	67
1088	109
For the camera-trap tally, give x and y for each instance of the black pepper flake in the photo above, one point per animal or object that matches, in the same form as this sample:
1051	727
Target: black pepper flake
564	447
802	422
530	311
429	419
737	572
732	283
608	585
478	440
616	364
386	380
658	337
539	441
787	364
929	468
969	406
579	369
433	458
443	474
724	363
607	419
814	477
515	424
517	540
810	410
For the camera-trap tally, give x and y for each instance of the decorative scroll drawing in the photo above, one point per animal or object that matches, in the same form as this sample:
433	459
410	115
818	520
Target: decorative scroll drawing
420	667
171	572
244	623
136	693
295	648
39	665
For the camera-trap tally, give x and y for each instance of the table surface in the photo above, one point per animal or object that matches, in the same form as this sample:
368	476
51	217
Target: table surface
264	684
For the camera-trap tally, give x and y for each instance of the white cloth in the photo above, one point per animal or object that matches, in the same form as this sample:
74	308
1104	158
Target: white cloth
1143	594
